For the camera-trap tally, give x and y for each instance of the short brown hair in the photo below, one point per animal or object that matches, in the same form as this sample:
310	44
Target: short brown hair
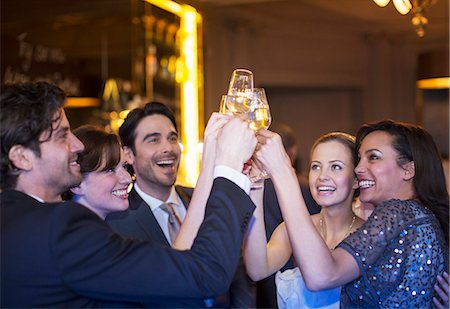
101	149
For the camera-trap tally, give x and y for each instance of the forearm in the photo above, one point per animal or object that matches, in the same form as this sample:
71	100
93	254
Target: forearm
255	242
310	251
232	196
264	258
196	211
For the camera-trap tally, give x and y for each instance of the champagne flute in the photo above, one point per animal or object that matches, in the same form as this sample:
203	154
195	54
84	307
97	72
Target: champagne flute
259	115
237	105
241	83
223	108
240	91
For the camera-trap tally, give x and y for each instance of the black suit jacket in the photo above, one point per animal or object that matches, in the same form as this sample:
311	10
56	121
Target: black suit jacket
64	255
138	222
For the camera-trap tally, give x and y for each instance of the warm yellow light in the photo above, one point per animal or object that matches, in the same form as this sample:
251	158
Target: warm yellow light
434	83
188	77
381	3
113	115
111	90
171	66
200	147
417	7
168	5
115	124
402	6
179	70
123	114
82	102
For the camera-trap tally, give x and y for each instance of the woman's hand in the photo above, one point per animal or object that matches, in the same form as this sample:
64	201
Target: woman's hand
196	212
271	154
442	288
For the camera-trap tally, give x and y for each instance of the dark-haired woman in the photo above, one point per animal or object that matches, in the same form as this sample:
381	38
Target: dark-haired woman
104	188
394	258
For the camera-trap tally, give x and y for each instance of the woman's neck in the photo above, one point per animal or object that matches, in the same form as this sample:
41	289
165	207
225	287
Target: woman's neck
336	223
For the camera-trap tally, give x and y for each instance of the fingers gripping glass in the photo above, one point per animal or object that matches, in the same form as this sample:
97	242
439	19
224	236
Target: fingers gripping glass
248	103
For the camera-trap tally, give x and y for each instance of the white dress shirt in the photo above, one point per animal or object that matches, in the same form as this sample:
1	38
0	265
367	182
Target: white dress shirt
161	216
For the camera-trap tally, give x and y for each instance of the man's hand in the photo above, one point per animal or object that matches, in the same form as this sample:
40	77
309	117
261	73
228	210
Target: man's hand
235	145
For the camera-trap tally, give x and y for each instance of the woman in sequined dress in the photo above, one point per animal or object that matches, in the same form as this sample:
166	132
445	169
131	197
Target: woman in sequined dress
394	258
332	184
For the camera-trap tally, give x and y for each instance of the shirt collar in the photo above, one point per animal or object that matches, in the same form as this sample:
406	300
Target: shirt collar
153	202
36	198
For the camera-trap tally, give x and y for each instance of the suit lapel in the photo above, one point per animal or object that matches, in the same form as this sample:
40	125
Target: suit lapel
185	194
145	219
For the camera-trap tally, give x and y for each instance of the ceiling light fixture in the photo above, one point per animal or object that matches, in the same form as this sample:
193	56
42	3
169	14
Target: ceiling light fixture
417	9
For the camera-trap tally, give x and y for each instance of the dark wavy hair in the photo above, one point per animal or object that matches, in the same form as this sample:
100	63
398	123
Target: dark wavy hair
127	130
28	110
414	143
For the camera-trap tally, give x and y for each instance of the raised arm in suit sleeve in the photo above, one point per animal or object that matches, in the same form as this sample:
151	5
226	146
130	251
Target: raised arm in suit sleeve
98	263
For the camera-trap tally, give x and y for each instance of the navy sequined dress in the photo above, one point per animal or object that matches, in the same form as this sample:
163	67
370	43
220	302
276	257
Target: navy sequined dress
400	250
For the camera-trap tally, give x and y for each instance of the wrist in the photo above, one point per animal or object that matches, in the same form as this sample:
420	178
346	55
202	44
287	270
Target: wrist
283	170
234	164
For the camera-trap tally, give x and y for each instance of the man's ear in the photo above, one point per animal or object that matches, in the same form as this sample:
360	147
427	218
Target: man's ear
21	157
129	155
409	171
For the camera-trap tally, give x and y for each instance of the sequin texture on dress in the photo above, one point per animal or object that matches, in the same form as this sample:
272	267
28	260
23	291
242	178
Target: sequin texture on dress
400	250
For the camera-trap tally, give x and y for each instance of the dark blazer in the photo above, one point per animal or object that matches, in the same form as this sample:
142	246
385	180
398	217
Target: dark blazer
63	255
138	222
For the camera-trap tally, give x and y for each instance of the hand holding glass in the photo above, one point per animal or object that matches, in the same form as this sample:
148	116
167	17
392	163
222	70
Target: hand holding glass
258	118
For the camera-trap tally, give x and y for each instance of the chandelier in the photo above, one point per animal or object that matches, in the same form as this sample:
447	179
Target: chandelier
417	9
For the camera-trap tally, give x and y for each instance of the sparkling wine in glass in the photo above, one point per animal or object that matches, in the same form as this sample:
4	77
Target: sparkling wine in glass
238	105
223	109
258	116
241	83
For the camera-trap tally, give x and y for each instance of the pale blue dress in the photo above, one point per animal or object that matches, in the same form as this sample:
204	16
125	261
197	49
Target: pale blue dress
292	293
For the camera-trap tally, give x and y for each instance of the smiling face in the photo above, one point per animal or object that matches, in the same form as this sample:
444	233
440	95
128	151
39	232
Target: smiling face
380	177
157	155
57	168
105	190
331	177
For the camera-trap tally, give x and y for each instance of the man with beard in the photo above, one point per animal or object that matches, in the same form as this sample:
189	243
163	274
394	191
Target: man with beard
61	254
150	139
